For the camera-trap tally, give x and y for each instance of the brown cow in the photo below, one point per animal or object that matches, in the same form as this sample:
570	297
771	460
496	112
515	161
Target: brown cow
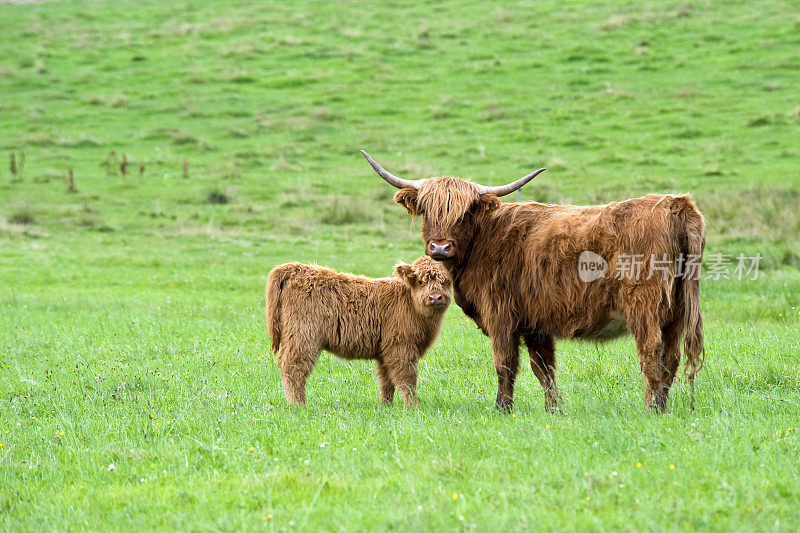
392	320
515	271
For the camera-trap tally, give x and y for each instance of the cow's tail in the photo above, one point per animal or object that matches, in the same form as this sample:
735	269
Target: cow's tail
694	241
275	282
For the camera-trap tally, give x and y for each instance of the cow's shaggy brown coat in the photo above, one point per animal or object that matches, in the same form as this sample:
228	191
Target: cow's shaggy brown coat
515	273
392	320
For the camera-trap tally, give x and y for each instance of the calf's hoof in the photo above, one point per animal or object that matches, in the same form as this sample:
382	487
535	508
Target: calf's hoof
384	400
412	403
295	400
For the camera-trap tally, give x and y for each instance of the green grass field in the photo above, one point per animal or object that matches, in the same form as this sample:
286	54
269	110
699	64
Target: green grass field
131	305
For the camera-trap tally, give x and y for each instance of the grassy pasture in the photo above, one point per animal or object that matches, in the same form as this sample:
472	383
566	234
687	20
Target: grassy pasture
131	327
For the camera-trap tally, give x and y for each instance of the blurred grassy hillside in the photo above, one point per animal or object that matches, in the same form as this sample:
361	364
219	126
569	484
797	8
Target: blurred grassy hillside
267	105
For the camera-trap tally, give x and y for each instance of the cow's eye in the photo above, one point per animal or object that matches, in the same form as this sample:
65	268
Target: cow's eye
420	282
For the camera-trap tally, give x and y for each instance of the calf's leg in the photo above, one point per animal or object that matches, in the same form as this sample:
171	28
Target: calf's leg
506	363
385	385
296	363
542	351
401	362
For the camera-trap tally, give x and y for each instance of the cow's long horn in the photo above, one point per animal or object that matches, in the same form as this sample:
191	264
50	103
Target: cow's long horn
400	183
502	190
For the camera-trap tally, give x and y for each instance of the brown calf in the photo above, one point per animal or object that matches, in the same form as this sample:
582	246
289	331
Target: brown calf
516	271
392	320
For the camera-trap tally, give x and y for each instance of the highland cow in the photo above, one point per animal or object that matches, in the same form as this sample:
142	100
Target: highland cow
391	320
516	272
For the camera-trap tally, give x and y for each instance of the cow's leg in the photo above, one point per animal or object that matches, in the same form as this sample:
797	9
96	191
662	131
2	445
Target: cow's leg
671	358
506	362
385	384
644	325
542	350
401	362
296	363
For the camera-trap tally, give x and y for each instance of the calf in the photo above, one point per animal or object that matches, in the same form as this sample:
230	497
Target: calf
391	320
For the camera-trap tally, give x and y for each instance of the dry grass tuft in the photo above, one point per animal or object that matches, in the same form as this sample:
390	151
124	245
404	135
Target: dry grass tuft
182	138
22	216
339	210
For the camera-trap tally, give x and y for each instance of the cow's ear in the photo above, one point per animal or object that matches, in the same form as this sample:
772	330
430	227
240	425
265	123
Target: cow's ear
408	199
489	201
405	272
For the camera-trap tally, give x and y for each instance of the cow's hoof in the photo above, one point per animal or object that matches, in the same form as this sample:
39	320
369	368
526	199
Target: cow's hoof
659	403
656	408
504	407
554	409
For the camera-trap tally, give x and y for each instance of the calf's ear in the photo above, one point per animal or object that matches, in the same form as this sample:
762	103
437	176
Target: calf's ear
405	272
408	199
489	201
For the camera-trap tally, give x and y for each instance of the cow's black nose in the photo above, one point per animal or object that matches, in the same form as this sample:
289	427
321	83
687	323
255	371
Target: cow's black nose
440	250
